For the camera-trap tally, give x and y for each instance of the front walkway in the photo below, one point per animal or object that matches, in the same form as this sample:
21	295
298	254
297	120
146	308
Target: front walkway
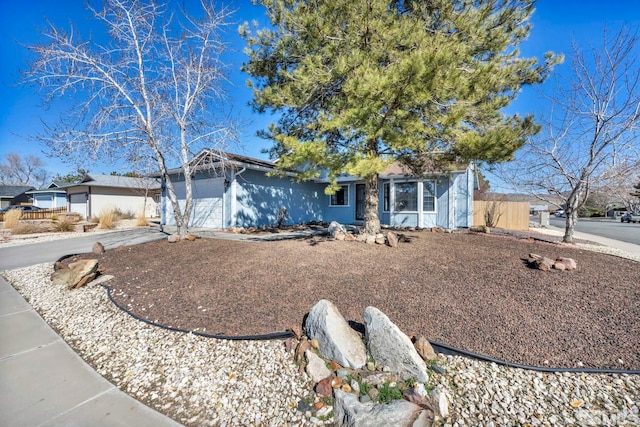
45	383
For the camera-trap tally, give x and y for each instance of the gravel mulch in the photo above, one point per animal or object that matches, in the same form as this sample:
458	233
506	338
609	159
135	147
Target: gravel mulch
471	291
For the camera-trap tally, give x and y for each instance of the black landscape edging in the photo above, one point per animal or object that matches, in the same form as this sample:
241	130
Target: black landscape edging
437	346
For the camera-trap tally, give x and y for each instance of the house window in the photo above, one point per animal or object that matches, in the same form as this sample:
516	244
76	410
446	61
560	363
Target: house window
385	196
406	196
340	197
429	196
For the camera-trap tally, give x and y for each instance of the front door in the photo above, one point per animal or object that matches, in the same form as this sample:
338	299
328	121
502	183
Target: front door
359	202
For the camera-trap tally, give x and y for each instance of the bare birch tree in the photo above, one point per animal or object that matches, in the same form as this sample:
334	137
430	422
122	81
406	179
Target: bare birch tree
23	170
590	130
153	89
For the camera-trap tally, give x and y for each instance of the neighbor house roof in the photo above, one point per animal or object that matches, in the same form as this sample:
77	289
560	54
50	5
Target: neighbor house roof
115	181
11	191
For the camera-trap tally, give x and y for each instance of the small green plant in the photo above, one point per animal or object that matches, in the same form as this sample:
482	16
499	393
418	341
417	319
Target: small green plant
54	217
388	393
365	387
327	400
411	382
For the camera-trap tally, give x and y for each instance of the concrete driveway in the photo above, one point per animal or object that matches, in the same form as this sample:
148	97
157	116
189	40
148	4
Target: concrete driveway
37	253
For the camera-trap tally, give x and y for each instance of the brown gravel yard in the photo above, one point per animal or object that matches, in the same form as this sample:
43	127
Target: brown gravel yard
471	291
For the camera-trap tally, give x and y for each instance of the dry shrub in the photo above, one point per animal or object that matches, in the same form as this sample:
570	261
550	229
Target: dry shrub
141	219
123	214
63	226
107	218
27	228
12	218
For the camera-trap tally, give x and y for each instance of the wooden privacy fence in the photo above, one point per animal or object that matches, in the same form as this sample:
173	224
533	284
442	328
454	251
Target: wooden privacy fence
39	214
501	214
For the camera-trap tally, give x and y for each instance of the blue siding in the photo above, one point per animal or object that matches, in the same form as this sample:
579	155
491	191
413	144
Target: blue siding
259	197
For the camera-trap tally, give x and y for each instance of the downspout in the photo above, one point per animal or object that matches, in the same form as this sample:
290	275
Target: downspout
233	217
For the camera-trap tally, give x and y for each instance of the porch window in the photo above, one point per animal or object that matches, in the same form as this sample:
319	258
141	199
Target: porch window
406	196
429	196
385	196
340	197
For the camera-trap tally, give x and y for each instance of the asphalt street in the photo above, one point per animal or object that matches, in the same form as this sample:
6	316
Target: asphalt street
609	228
37	253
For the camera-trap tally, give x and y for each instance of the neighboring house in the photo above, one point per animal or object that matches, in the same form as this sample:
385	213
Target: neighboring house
231	190
14	195
96	192
54	196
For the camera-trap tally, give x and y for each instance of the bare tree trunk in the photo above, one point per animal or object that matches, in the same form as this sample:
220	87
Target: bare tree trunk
572	220
371	203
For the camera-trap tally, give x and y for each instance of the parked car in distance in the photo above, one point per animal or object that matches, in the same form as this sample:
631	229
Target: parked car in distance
22	207
559	213
630	218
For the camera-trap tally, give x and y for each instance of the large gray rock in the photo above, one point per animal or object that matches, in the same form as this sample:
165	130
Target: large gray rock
390	347
336	340
350	412
336	227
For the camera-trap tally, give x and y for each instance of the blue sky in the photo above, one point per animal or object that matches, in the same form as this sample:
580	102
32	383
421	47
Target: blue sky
555	24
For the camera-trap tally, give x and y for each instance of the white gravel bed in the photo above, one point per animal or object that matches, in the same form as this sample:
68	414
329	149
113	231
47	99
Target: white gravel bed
201	381
196	381
27	239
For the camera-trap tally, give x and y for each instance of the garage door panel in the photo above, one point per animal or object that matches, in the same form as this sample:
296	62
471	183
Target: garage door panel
207	203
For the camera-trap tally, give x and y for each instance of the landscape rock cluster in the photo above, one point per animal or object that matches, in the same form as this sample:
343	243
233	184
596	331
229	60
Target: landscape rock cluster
340	232
546	264
76	275
378	382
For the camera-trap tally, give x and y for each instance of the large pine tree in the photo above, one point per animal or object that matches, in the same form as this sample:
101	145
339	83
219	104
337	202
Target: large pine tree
360	84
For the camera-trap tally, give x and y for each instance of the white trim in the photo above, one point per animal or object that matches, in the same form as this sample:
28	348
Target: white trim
435	196
233	207
347	198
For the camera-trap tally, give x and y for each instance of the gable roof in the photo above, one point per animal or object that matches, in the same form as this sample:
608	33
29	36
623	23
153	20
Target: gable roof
208	159
11	191
115	181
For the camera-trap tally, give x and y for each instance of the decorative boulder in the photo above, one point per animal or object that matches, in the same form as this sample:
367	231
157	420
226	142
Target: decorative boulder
78	274
336	340
424	349
390	347
98	248
173	238
540	262
392	239
569	263
336	227
349	411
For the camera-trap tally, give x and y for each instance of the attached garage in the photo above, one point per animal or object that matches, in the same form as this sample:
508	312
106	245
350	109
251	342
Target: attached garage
78	203
208	205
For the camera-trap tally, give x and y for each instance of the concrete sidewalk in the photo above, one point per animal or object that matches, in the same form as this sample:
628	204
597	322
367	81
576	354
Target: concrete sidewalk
43	382
630	248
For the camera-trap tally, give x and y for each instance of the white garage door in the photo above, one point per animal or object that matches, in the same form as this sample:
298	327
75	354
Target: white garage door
78	203
207	203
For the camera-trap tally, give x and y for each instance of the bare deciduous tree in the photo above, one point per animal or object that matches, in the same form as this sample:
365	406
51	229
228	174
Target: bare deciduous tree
19	170
590	130
153	90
